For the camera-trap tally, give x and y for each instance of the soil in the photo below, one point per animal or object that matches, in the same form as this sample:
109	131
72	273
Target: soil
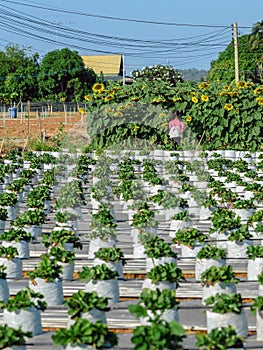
20	131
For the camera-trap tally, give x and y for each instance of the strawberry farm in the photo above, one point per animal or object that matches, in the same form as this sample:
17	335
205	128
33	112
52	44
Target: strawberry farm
127	243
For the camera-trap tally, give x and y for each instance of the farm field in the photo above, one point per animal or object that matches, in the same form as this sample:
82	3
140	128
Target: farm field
187	181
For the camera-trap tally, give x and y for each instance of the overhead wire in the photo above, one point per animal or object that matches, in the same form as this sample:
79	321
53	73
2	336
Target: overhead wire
183	48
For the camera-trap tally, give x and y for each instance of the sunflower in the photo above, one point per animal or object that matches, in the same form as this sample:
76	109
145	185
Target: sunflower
98	88
109	110
260	101
109	98
188	118
204	98
223	93
241	84
81	111
258	90
228	106
175	99
118	114
88	98
136	128
194	99
204	85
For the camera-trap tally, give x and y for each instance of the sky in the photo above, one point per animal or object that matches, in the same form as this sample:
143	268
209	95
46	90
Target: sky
181	33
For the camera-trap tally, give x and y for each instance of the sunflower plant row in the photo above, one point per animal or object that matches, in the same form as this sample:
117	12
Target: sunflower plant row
221	117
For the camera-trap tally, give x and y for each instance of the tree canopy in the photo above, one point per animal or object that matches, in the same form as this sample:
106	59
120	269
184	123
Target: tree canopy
63	76
223	69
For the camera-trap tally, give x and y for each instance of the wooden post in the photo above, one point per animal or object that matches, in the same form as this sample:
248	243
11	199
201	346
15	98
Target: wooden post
28	117
236	52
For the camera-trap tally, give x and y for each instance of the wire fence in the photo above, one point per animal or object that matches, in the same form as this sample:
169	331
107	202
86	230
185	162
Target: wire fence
39	109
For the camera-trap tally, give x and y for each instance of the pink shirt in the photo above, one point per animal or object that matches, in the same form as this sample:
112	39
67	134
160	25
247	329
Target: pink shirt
177	123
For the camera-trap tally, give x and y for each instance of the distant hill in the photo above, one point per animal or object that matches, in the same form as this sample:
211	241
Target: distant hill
193	74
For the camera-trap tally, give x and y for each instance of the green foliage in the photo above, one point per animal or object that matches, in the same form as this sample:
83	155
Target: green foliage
156	301
82	302
8	253
240	234
61	236
63	76
33	217
47	269
113	254
257	305
254	251
97	272
12	336
224	219
65	216
156	247
189	236
217	274
223	69
16	235
219	339
61	254
24	299
223	303
84	332
158	336
211	252
167	272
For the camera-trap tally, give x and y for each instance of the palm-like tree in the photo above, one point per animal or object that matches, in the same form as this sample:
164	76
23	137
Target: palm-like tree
257	35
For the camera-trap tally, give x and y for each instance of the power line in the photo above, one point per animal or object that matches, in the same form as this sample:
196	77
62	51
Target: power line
57	9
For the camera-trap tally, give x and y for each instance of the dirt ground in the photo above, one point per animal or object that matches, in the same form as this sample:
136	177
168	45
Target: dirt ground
21	131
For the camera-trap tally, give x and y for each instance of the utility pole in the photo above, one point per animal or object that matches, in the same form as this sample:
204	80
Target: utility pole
236	51
123	71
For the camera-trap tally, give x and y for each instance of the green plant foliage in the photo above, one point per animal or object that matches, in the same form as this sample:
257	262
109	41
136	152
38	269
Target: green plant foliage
211	252
216	274
82	302
158	336
223	303
84	332
12	337
155	300
47	269
24	299
97	272
220	338
168	272
113	254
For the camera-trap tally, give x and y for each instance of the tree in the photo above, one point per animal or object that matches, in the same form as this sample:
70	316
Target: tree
256	38
64	77
18	72
158	72
223	69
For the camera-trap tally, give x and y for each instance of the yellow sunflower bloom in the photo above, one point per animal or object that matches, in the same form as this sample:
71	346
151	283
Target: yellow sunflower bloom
81	111
258	90
226	87
194	99
109	98
176	99
164	124
118	114
88	98
136	128
228	106
135	98
188	118
223	93
204	98
109	110
98	88
204	85
162	115
241	84
260	101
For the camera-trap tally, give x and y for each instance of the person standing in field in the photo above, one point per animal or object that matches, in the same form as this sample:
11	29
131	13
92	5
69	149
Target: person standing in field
176	128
